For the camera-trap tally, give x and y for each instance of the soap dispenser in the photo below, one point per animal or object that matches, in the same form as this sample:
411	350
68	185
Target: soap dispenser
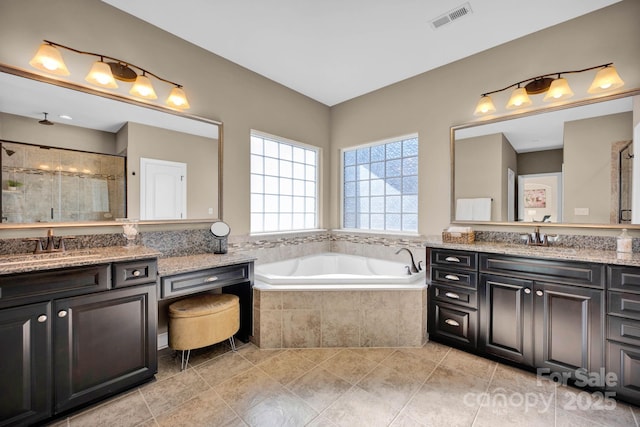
624	242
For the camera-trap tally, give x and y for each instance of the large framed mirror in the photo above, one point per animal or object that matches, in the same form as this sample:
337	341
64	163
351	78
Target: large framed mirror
104	158
572	165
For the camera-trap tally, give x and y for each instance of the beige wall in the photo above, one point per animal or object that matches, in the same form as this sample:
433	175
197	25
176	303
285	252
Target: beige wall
217	88
427	104
587	167
431	103
200	155
545	161
22	129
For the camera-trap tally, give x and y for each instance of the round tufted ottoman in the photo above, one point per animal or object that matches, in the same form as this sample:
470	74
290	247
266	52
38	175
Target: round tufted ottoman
203	320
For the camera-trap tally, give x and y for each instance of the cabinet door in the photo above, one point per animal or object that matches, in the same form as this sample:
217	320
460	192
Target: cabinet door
103	343
569	327
25	372
506	328
624	361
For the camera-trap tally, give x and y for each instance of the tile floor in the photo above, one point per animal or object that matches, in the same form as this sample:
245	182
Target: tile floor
430	386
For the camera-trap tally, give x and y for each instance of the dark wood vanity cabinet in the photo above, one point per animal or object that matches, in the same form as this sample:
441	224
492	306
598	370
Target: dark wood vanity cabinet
536	312
623	331
70	337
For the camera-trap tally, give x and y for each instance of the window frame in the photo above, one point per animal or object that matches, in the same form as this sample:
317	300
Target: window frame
318	174
341	201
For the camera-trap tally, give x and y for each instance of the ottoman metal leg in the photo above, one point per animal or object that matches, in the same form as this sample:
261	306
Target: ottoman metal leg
232	341
184	362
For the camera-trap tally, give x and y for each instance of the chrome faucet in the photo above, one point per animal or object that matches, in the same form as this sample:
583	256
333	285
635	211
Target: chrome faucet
413	268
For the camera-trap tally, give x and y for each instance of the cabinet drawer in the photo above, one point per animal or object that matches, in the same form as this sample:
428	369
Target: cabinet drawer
460	259
454	277
626	279
27	287
455	324
623	330
133	273
570	272
623	304
452	295
203	280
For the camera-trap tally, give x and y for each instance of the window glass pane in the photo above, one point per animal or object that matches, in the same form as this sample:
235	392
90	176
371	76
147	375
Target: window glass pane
377	170
377	153
349	158
283	185
394	168
363	155
270	148
383	181
394	150
286	152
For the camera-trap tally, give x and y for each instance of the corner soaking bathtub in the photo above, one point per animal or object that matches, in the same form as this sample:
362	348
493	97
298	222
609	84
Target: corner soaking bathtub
336	271
338	300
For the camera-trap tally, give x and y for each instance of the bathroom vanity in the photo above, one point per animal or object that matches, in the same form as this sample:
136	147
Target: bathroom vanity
74	330
561	311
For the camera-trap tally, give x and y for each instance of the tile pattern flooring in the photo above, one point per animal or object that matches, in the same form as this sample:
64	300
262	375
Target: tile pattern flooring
430	386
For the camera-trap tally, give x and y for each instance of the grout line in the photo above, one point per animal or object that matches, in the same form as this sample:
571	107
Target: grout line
486	396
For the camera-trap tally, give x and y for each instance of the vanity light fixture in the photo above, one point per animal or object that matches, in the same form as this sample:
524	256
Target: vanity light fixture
105	73
556	88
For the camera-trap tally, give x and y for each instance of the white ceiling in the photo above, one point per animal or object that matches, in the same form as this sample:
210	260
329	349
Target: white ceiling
335	50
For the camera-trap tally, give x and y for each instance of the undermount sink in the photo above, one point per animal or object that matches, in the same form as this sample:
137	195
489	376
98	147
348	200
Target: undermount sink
47	257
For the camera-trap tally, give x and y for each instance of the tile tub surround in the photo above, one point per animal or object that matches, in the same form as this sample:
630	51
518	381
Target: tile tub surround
366	318
433	385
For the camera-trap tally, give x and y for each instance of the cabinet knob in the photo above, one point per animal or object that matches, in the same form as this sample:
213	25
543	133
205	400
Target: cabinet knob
452	295
136	273
42	318
527	291
211	279
451	322
62	313
539	293
452	277
452	259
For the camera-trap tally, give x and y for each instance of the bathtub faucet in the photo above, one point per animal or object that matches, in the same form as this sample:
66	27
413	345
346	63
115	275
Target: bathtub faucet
413	269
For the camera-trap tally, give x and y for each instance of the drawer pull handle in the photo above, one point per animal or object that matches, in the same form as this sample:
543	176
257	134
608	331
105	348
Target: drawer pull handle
136	273
539	293
42	318
451	322
452	259
211	279
527	291
452	277
452	295
62	313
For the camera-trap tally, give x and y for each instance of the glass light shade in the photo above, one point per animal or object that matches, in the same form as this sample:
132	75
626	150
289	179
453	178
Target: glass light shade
606	79
558	90
48	59
143	88
485	106
178	99
100	75
519	98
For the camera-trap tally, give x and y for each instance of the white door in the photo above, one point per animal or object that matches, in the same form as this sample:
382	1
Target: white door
163	189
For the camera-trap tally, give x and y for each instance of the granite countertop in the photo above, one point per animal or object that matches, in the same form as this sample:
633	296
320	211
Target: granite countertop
183	264
546	252
23	263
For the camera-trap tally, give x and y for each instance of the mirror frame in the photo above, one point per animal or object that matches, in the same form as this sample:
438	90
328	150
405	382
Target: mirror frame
115	96
453	129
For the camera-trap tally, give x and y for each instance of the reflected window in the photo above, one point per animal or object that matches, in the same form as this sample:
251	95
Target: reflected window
380	186
284	176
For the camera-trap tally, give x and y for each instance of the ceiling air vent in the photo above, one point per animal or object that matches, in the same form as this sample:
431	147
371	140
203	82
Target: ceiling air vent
451	16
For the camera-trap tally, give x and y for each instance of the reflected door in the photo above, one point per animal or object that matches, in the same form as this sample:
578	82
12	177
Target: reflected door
163	189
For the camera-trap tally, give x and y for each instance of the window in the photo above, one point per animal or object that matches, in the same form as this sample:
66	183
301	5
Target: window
284	177
380	186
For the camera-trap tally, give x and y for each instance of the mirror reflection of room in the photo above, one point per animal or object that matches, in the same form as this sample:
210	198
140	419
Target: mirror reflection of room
577	168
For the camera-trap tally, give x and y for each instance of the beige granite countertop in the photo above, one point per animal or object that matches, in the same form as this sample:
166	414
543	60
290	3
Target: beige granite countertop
23	263
182	264
546	252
